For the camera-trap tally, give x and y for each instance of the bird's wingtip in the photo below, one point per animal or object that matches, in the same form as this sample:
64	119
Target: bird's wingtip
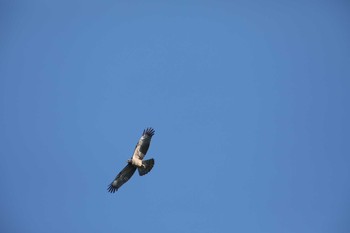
111	188
148	131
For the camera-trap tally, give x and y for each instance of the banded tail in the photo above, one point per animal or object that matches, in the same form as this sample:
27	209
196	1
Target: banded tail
148	167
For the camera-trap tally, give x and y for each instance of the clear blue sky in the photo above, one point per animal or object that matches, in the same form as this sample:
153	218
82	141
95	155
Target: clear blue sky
249	100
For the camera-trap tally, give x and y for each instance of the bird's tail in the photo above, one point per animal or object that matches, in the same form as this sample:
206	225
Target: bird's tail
148	165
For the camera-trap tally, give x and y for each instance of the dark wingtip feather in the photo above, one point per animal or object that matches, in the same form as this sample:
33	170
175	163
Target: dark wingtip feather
111	188
149	131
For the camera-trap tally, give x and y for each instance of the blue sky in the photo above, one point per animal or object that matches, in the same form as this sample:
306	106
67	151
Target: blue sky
249	100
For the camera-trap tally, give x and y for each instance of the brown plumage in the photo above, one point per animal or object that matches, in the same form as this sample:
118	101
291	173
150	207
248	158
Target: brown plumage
136	162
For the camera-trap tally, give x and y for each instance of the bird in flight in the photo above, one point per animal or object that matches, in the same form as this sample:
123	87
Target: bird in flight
136	162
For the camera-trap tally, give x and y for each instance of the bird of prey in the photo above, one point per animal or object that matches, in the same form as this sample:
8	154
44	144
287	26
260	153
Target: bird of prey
136	162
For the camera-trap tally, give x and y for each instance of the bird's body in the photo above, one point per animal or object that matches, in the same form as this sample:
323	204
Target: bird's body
136	162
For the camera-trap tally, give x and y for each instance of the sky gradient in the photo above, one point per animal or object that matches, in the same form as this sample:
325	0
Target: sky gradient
249	100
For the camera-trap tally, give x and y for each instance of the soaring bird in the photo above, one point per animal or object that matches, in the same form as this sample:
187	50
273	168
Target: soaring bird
136	162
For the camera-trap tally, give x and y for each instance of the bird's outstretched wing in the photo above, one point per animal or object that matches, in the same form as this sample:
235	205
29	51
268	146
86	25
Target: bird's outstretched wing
122	178
143	144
